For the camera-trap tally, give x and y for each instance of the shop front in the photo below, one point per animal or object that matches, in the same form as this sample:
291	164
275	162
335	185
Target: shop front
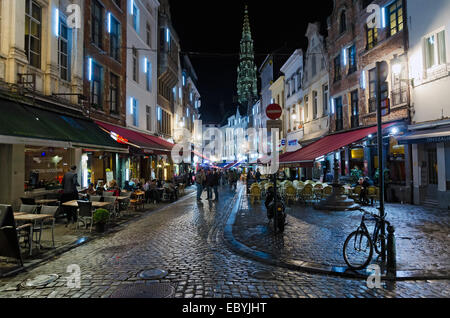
430	152
149	156
38	146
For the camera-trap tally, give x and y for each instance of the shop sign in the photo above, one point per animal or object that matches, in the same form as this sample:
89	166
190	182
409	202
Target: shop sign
293	142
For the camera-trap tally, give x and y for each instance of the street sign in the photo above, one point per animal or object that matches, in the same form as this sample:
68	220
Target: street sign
274	124
274	111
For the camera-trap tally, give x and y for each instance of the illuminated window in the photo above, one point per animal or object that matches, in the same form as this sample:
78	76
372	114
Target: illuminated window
395	14
372	38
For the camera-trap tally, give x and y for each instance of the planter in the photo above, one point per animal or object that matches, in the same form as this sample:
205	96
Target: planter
100	227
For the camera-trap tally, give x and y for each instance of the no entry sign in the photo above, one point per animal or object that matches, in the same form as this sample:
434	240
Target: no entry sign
274	111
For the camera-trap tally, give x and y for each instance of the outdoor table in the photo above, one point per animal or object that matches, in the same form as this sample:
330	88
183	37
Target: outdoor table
19	213
33	218
46	201
74	204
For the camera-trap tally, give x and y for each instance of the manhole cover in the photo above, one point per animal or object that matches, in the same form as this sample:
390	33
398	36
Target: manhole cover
39	281
153	274
154	290
263	275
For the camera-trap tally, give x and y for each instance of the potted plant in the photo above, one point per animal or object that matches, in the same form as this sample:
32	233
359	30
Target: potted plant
101	216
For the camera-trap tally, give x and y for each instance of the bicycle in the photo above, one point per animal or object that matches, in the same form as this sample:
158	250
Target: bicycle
359	252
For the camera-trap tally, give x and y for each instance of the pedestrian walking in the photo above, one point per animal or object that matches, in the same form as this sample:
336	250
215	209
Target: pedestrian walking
210	180
199	181
70	192
216	183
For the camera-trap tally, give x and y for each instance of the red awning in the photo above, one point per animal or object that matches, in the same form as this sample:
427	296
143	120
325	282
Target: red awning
136	139
328	144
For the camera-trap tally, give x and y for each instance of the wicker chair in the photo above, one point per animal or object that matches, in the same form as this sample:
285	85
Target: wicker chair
307	193
255	194
373	193
327	191
356	193
291	194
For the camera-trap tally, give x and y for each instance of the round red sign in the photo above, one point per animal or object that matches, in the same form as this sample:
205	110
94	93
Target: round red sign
274	111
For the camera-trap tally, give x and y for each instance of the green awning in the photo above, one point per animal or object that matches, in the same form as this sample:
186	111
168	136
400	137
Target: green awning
19	120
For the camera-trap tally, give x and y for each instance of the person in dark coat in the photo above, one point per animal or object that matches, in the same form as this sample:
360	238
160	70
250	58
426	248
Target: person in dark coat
70	193
210	179
216	183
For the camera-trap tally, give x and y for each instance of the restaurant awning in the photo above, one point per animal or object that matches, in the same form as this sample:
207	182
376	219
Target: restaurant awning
426	136
307	155
24	124
148	143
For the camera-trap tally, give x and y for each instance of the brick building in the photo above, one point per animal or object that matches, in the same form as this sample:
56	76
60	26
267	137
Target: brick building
105	43
354	49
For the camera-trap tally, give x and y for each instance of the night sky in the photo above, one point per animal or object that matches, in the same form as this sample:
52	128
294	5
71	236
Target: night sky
215	26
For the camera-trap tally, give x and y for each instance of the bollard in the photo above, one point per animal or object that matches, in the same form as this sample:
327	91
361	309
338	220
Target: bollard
391	253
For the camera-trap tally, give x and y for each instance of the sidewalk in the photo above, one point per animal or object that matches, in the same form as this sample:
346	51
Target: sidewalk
67	238
315	239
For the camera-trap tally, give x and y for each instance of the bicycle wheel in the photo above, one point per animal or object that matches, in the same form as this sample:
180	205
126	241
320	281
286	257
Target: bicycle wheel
281	222
377	240
358	250
275	223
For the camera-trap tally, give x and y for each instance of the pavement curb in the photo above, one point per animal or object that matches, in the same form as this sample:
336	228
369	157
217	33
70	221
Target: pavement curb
313	268
83	240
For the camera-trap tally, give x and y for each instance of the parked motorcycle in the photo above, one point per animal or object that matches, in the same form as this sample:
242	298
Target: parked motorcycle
275	211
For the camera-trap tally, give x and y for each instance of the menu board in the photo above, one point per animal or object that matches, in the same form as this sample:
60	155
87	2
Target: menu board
9	244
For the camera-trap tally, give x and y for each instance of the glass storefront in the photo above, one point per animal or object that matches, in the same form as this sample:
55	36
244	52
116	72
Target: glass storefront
45	167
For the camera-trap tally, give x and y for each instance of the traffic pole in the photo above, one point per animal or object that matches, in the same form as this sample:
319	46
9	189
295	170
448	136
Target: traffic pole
380	162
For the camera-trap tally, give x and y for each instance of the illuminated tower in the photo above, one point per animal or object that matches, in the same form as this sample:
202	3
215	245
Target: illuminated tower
247	80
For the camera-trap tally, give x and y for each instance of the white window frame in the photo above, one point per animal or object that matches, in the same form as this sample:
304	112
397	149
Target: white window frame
436	49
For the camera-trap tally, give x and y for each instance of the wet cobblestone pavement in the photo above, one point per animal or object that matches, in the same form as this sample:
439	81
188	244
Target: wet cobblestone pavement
186	239
422	234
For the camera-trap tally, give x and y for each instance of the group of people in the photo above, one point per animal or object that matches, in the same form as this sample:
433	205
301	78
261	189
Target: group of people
208	180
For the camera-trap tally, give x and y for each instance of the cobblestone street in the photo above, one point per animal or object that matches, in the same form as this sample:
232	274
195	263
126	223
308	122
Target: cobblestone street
318	236
186	239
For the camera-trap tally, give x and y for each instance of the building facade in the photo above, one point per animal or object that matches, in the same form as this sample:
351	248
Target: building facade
142	71
45	105
292	118
354	50
429	69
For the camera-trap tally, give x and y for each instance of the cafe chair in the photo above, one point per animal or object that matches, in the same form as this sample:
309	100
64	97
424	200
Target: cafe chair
373	193
48	223
28	201
95	198
85	214
26	208
112	208
255	194
291	194
327	191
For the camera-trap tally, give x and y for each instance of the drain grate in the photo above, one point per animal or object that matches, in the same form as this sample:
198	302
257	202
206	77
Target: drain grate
154	290
267	275
153	274
39	281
